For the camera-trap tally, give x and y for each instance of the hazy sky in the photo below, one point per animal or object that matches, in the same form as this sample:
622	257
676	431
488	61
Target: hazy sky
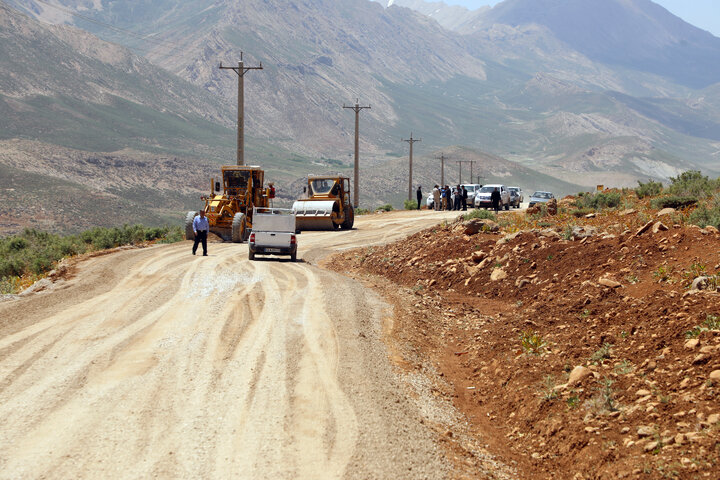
701	13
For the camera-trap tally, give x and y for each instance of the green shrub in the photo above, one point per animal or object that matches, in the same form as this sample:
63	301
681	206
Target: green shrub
649	189
692	184
411	205
386	208
361	211
599	201
673	201
531	342
707	214
480	213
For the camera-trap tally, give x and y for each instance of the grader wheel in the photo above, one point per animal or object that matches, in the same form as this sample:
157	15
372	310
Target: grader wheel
239	225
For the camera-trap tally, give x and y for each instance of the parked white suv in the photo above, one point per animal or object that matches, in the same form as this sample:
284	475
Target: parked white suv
482	197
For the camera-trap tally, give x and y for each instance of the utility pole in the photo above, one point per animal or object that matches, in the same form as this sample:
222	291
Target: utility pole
442	159
460	162
357	108
411	141
241	70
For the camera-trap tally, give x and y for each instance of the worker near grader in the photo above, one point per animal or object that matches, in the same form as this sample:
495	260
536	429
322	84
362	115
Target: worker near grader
201	227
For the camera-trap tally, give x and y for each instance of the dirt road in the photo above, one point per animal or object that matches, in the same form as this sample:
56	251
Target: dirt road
155	363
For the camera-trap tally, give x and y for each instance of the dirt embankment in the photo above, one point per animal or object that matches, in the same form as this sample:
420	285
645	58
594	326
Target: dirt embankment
582	355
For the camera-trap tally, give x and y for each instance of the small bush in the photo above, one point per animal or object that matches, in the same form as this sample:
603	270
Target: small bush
599	201
410	205
673	201
481	214
601	354
386	208
649	189
532	343
707	214
692	184
361	211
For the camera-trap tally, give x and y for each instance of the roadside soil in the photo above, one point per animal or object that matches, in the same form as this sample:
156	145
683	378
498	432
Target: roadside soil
570	356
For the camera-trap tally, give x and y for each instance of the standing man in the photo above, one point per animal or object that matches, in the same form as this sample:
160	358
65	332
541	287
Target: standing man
464	198
419	196
201	227
436	198
495	199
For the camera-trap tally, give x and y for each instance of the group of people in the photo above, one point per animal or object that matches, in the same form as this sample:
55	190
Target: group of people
450	198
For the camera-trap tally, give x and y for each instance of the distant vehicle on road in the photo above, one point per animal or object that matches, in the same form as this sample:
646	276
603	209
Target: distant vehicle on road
516	196
482	197
540	197
472	189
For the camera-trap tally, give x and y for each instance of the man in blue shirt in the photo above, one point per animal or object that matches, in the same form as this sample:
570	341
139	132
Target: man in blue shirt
201	227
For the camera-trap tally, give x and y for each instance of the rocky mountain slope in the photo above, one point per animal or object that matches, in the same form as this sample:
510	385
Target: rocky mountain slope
518	92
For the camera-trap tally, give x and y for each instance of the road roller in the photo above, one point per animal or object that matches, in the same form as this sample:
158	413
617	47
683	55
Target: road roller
325	204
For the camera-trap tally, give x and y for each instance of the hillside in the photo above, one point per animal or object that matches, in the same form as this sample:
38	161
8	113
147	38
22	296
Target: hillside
574	346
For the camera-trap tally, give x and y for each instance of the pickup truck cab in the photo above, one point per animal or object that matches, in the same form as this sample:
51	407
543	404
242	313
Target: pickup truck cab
273	233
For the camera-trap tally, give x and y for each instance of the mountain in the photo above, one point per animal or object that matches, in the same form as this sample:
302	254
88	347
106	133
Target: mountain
511	90
452	17
635	34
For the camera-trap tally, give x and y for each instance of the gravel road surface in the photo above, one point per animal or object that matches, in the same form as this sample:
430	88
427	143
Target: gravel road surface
156	363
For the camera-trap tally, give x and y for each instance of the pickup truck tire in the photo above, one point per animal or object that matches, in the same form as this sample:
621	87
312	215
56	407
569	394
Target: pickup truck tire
349	218
238	228
251	255
293	256
189	234
507	206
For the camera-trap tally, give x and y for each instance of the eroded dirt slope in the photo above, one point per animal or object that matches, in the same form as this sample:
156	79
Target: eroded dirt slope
576	356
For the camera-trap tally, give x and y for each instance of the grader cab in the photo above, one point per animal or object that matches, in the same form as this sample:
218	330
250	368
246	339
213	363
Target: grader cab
230	213
325	205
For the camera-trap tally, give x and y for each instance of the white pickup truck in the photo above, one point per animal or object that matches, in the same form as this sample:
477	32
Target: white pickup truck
273	233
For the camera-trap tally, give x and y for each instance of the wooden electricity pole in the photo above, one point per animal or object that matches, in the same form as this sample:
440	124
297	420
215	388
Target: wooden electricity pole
241	70
442	159
411	141
357	108
460	162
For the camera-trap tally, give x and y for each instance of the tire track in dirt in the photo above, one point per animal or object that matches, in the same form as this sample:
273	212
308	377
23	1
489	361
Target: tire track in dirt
197	367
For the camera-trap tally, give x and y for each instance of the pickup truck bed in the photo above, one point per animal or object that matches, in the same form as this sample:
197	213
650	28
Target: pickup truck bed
273	233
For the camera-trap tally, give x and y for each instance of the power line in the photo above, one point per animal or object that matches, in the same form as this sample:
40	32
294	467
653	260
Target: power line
113	27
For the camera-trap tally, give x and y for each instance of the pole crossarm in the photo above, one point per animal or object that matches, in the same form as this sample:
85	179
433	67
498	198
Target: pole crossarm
357	108
411	141
241	70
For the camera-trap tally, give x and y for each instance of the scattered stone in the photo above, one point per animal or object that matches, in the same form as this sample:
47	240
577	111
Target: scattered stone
521	282
692	343
477	225
665	211
680	439
711	229
578	374
629	211
659	226
625	430
645	431
590	215
715	375
642	393
713	419
552	207
609	283
644	228
702	358
498	274
700	283
650	446
534	210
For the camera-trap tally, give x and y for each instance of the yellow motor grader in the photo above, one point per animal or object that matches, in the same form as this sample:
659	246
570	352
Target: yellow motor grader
325	204
230	213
